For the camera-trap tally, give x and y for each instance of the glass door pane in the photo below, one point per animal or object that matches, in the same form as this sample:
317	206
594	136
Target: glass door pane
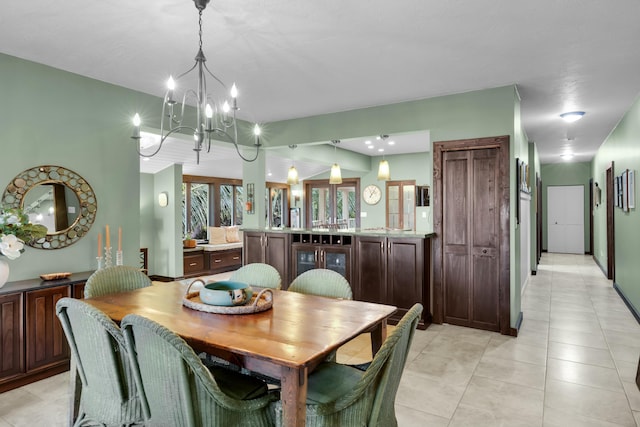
320	207
393	206
199	210
337	262
345	207
408	206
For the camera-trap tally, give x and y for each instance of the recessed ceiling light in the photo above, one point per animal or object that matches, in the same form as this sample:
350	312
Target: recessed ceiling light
269	174
567	156
370	147
378	137
572	116
145	159
368	142
392	143
380	150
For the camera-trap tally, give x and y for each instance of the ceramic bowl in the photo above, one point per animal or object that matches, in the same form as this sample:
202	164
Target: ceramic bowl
226	293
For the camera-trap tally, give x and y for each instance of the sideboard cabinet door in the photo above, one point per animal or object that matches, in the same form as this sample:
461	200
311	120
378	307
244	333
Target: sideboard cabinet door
46	344
11	331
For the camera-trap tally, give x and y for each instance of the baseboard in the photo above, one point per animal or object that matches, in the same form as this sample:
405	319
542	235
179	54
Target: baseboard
514	331
631	308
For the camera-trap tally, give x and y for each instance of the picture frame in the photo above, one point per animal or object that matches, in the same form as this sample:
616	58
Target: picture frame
631	189
517	188
250	203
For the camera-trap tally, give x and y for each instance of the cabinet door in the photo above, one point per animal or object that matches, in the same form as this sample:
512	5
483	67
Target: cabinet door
303	258
405	277
337	259
11	328
371	269
253	247
78	290
46	344
277	255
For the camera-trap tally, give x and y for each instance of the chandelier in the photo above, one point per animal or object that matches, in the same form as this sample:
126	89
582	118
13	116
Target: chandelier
212	118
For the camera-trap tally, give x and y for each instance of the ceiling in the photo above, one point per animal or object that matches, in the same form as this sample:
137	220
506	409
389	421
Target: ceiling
294	58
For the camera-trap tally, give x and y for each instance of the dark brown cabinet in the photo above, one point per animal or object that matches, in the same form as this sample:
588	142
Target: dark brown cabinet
11	336
268	248
391	270
199	262
46	344
32	343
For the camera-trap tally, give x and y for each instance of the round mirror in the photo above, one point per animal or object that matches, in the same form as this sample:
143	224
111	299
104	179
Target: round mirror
57	198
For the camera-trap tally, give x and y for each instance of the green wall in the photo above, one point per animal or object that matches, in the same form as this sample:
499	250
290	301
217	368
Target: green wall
52	117
621	148
566	174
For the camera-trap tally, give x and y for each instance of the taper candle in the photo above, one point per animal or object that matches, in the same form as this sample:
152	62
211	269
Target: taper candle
119	238
107	239
99	244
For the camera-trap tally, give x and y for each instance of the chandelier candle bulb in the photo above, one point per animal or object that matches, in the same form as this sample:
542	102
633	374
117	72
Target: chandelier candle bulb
208	111
234	96
136	126
171	85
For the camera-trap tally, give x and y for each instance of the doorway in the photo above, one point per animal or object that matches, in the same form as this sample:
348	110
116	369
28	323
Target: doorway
471	283
565	219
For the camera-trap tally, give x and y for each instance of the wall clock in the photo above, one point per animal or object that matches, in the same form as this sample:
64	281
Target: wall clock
371	194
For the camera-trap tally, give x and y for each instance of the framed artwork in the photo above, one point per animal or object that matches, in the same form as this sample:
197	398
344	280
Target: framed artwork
625	190
631	189
616	194
517	187
249	205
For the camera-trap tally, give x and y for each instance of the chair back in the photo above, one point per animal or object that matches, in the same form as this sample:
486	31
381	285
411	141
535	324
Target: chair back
397	344
258	274
118	278
109	394
176	388
322	282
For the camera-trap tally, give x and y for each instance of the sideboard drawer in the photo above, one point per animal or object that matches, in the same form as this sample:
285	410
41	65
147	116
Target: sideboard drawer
193	263
225	259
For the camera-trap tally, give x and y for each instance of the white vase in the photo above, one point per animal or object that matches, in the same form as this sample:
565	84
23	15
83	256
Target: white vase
4	271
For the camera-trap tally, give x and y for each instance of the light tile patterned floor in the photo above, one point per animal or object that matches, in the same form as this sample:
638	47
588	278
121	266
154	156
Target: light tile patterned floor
573	364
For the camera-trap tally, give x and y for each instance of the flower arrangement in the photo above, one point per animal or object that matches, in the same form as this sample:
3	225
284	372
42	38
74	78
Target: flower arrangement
16	230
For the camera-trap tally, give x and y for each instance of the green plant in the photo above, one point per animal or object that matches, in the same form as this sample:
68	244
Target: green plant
16	230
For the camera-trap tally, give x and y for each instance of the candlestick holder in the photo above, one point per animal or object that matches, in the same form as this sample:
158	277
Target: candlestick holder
99	260
118	257
108	261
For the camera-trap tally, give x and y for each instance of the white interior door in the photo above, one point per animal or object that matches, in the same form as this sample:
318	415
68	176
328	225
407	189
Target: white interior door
565	219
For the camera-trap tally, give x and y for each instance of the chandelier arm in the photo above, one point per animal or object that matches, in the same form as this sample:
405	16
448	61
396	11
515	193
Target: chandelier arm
214	76
187	72
233	141
162	139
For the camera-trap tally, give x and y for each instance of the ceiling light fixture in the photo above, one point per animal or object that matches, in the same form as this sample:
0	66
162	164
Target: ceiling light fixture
566	156
292	176
211	118
572	116
384	174
336	175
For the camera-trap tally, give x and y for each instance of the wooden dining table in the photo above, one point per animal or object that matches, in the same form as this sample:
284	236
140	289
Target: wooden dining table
286	341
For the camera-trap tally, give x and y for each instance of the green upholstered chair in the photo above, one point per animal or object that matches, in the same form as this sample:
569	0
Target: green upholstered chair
322	282
109	394
178	390
340	395
258	274
118	278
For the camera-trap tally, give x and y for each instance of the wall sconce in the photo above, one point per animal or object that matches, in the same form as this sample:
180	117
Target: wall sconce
296	196
163	199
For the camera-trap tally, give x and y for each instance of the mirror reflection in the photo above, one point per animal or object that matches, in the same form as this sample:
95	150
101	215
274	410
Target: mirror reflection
53	205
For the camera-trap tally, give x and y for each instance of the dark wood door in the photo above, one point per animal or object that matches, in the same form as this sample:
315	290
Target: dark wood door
470	238
11	327
277	255
371	269
45	340
405	274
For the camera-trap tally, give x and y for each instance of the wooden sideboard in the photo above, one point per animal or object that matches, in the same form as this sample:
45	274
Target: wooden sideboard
198	262
387	268
33	342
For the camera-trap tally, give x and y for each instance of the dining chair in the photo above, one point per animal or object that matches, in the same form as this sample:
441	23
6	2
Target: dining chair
108	395
117	278
258	274
178	390
340	395
322	282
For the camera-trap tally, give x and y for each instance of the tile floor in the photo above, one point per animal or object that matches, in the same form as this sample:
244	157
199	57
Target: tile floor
573	364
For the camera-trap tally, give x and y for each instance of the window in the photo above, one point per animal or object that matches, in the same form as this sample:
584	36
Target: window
210	201
277	206
333	206
401	205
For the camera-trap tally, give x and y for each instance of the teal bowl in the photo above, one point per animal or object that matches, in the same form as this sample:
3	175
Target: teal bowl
226	293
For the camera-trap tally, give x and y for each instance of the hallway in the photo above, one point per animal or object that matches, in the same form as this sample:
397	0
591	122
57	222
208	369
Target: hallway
572	364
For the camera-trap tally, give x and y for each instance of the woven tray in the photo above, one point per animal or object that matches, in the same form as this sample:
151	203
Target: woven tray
55	276
261	302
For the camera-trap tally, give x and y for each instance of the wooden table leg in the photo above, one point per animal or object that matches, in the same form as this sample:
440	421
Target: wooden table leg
378	336
294	396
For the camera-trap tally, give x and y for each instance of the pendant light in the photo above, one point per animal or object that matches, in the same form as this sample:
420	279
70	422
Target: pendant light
384	174
292	176
336	175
